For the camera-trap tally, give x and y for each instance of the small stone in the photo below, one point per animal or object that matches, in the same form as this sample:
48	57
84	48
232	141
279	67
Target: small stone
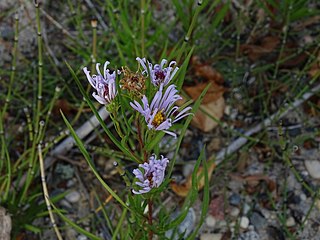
293	198
257	220
266	214
65	204
70	183
303	197
71	233
235	212
250	235
235	199
313	167
73	197
211	221
64	171
275	233
221	224
290	222
246	209
82	237
211	236
186	226
244	222
187	169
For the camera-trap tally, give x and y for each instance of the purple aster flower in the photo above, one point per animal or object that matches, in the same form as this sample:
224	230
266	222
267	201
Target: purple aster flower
105	84
158	73
161	113
152	175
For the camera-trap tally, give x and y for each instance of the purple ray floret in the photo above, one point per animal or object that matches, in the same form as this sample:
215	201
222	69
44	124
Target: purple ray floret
152	174
159	74
104	84
161	113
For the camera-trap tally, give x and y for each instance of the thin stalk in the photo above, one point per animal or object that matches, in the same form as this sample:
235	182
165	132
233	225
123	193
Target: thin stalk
46	194
190	30
120	224
284	40
143	11
40	70
150	233
37	113
286	157
94	24
8	97
14	65
145	154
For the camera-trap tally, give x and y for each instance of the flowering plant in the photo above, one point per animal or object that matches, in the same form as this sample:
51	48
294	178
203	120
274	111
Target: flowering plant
149	99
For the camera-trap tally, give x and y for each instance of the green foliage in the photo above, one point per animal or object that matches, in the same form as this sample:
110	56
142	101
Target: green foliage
126	30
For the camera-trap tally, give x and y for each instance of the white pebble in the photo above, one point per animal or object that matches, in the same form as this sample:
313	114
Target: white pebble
187	169
244	222
211	236
70	183
303	197
211	221
73	196
82	237
235	212
290	222
313	167
221	224
65	203
246	209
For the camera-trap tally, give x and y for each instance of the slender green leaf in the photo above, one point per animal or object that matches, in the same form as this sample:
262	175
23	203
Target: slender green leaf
74	225
87	157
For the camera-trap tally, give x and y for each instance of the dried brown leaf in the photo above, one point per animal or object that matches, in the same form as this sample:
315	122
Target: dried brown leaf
183	189
258	50
201	119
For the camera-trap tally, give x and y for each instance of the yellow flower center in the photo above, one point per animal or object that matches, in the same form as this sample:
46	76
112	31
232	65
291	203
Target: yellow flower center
158	118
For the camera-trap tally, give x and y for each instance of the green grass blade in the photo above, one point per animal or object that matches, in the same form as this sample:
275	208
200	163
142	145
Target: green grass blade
206	198
74	225
87	157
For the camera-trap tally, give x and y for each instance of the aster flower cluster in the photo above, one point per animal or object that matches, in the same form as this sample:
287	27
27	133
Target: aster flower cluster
159	112
104	84
150	174
158	73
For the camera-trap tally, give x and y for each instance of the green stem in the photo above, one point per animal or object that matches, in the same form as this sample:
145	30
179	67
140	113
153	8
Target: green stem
150	203
4	149
143	3
284	40
37	113
93	64
190	30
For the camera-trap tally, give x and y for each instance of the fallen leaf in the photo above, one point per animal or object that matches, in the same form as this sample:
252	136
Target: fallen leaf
183	189
214	93
205	70
244	157
315	67
301	25
203	121
213	103
263	47
253	181
63	105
